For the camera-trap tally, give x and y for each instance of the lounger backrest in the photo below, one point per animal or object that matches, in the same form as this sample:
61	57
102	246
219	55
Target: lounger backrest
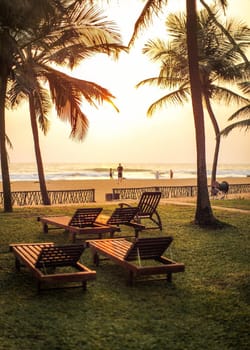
148	248
66	255
85	217
122	215
148	203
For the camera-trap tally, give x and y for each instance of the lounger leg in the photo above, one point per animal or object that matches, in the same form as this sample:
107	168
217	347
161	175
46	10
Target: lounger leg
45	228
17	264
84	285
131	278
159	220
169	277
137	233
96	259
38	286
73	237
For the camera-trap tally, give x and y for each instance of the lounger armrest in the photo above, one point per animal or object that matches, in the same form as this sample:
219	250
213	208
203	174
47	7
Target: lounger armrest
121	205
136	225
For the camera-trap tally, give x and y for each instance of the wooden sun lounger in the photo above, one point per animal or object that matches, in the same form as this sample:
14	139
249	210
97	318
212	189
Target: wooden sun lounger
82	223
147	210
132	256
122	216
42	258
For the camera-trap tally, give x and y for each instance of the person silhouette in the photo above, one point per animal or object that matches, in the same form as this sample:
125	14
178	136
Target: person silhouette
111	173
120	173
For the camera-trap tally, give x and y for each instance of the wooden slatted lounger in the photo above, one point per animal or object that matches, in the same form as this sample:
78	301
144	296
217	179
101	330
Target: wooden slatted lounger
122	216
132	256
147	210
82	223
41	258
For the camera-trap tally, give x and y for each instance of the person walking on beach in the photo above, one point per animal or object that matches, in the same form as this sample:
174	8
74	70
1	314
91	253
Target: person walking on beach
111	173
171	173
120	172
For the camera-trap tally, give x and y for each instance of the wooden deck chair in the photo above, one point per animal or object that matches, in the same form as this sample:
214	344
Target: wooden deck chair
82	223
123	216
133	256
147	209
51	264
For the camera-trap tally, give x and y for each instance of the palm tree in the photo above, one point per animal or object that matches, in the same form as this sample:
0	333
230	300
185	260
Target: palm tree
204	214
217	63
79	32
16	19
243	112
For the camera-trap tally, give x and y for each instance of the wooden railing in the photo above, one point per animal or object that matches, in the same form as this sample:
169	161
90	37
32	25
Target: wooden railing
173	191
21	198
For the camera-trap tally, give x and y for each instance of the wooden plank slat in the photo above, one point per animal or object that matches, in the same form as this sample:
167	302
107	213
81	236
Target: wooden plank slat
84	217
123	216
59	256
149	248
114	247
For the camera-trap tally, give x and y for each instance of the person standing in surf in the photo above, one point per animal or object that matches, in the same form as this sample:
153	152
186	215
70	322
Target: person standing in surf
120	173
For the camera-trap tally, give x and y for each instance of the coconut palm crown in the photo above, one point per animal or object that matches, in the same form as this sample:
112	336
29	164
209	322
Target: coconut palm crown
74	32
218	65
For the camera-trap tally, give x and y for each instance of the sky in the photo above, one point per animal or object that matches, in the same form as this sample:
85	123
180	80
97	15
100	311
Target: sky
130	136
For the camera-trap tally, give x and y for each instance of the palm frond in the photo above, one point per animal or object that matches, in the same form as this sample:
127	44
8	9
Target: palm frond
42	107
149	81
67	93
176	26
67	100
73	54
226	32
233	72
88	16
241	113
155	49
24	85
177	97
8	141
164	82
83	30
15	94
245	86
151	8
227	96
238	125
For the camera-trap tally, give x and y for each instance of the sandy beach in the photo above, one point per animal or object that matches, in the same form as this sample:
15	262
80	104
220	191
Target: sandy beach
105	186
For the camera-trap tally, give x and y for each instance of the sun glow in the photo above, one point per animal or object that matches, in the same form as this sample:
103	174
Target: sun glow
127	136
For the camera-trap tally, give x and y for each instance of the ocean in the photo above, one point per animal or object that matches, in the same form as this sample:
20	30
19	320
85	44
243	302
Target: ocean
82	171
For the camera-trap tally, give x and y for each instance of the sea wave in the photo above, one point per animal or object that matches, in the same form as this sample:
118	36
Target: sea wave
76	171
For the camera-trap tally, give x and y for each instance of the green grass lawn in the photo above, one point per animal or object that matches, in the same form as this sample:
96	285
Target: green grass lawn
232	203
206	307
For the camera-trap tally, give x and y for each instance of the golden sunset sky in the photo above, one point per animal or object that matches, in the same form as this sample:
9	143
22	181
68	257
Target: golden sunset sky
130	136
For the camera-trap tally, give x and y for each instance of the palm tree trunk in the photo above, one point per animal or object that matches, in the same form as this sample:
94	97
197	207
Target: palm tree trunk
204	214
3	152
43	188
217	138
